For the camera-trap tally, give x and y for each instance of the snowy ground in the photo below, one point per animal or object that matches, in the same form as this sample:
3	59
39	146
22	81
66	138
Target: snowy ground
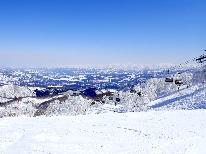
189	98
153	132
171	121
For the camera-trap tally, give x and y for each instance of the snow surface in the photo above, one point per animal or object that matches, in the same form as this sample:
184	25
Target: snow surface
173	121
12	91
154	132
189	98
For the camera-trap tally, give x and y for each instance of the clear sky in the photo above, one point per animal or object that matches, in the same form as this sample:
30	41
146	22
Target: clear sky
61	33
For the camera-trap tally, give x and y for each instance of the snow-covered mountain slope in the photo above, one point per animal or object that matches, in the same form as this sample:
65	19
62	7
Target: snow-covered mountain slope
189	98
154	132
153	117
12	91
151	94
155	95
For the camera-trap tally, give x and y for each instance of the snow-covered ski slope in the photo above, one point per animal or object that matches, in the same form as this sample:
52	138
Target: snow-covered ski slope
165	119
153	132
188	98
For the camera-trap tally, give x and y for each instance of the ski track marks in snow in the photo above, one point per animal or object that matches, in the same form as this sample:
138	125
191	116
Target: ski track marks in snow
153	132
178	97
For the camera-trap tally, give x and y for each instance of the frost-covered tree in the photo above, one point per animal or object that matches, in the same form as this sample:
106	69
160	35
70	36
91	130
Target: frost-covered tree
71	106
18	108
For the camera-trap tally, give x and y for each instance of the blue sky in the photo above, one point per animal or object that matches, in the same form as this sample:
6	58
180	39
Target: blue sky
61	33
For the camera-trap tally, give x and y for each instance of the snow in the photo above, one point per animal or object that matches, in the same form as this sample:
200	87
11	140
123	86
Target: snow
171	120
188	98
154	132
156	94
12	91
